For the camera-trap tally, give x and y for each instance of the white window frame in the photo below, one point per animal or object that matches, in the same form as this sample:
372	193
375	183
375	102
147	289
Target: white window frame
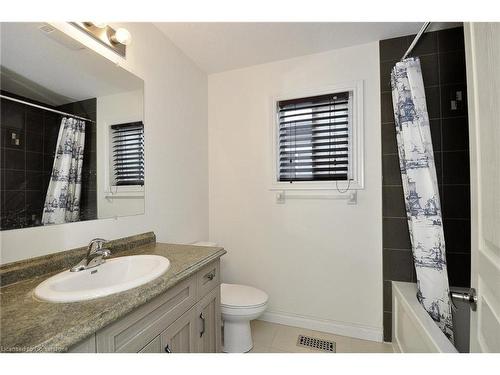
356	139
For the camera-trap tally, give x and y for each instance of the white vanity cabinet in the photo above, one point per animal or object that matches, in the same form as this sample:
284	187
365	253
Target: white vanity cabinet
184	319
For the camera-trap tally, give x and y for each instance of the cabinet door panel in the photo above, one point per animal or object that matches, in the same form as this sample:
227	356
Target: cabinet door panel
181	336
208	313
153	347
137	329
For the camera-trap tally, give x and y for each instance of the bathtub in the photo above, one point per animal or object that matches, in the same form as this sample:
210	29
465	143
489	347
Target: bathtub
413	330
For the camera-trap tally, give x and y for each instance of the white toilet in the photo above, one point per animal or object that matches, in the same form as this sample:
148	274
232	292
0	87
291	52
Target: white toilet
239	305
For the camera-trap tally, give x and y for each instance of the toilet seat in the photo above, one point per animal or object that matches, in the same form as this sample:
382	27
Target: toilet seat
236	296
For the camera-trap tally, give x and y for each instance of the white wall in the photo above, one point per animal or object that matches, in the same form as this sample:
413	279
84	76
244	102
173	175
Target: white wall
116	109
320	261
176	154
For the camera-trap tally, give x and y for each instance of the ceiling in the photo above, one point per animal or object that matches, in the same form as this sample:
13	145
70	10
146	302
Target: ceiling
43	64
216	47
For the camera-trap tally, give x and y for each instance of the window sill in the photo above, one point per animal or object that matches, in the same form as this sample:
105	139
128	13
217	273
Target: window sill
116	192
314	186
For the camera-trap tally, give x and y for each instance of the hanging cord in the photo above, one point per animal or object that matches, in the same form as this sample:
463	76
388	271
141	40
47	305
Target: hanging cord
348	179
343	191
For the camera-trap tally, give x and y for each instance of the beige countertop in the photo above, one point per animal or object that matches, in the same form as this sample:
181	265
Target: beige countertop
31	325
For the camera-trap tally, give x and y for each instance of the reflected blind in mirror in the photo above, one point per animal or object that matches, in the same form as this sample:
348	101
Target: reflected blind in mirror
128	153
313	138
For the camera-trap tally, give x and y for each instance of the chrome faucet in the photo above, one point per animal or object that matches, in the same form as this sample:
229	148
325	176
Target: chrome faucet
95	255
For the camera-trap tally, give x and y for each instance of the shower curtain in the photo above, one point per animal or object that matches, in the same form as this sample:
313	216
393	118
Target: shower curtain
423	207
62	203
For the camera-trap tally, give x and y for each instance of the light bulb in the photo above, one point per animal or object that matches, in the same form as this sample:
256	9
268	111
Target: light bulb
100	25
122	36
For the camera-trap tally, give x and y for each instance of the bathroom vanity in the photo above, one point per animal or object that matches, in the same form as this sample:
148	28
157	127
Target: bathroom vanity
184	319
179	312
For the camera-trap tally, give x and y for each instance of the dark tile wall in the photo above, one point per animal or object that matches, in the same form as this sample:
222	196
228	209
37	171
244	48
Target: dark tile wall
28	140
442	57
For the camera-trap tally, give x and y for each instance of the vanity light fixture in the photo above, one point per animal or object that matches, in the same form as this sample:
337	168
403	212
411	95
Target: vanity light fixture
116	40
122	36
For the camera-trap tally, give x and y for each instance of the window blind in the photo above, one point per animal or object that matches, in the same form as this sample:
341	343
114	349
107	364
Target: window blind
314	138
128	153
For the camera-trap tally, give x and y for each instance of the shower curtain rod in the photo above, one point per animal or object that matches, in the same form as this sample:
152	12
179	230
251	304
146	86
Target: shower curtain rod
45	108
415	40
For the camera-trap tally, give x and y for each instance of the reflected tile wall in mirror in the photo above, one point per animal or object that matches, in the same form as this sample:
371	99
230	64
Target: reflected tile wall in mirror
28	144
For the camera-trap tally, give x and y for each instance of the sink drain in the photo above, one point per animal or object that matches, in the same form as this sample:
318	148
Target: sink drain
318	344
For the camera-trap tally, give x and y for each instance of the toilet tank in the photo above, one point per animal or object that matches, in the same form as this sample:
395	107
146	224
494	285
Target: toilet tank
204	243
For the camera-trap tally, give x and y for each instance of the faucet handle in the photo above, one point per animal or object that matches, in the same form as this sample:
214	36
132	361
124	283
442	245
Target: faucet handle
98	242
103	252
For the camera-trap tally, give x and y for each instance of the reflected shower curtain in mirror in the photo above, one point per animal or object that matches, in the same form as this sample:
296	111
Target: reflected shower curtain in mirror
423	207
62	203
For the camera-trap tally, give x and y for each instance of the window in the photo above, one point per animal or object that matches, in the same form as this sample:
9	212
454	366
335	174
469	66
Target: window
128	154
317	140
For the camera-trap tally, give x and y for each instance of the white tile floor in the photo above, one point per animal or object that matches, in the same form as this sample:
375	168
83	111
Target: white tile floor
277	338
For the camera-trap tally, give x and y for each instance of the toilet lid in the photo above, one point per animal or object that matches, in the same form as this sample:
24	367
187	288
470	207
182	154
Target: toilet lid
235	295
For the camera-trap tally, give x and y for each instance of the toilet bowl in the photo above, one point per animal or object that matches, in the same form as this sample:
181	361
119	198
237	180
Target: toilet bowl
239	305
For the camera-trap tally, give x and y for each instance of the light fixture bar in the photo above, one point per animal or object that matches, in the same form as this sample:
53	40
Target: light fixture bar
105	35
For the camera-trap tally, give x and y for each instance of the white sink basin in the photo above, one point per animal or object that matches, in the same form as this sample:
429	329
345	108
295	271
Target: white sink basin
114	276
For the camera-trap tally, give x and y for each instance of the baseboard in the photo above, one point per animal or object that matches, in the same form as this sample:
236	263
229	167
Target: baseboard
330	326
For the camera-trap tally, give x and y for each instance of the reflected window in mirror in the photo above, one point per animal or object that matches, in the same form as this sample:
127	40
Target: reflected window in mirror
128	154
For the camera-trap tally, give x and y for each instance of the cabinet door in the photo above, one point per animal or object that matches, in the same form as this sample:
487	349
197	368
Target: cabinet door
134	331
182	335
208	313
153	347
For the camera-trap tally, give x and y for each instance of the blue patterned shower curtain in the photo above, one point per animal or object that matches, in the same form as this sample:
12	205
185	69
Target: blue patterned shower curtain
423	207
62	203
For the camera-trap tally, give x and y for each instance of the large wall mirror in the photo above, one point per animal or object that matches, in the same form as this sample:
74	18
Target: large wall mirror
72	131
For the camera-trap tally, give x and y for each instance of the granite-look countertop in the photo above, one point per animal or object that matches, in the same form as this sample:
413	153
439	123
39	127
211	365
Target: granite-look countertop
30	325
